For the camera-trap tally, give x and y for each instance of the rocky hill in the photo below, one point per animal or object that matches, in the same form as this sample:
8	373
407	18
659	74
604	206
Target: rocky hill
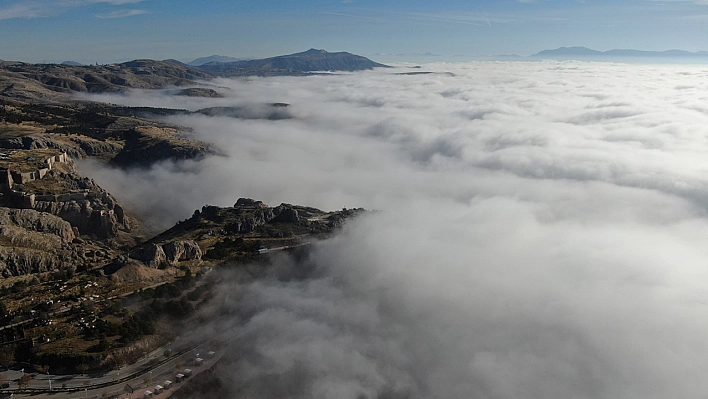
56	82
294	64
249	227
53	81
116	135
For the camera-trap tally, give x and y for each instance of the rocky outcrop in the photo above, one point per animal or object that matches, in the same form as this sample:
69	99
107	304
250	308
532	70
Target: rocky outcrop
252	227
40	143
27	219
247	215
181	250
98	215
78	200
199	92
151	254
171	253
34	242
145	146
286	214
248	202
24	143
94	148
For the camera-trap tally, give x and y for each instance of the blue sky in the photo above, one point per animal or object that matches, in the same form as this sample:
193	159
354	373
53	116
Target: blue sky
118	30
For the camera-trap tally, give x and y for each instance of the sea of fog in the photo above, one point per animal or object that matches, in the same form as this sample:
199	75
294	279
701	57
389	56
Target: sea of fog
543	228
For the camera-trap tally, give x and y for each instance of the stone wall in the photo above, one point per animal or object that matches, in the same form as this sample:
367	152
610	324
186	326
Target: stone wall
10	177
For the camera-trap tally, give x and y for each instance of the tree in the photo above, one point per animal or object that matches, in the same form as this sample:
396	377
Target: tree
103	345
24	381
7	356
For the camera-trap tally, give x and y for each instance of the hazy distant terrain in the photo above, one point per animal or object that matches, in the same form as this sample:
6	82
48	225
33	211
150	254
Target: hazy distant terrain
621	55
214	58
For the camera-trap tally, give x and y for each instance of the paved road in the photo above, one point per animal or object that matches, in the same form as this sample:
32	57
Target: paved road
156	376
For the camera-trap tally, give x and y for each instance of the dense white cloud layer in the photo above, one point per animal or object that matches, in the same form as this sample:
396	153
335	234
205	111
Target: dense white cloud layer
543	232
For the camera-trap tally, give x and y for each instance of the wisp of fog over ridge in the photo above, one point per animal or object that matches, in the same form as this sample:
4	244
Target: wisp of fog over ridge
543	229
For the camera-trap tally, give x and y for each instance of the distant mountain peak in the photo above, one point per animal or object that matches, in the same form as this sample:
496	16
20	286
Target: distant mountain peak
314	51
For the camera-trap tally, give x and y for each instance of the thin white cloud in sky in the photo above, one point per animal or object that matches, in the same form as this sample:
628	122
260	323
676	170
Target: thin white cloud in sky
122	14
40	9
542	231
23	10
77	3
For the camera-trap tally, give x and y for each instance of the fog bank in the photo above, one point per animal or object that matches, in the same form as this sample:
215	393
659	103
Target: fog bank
543	229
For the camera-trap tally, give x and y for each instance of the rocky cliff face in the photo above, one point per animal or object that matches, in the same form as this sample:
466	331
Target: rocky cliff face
79	201
99	217
169	254
13	221
146	145
151	254
34	242
37	143
181	250
77	147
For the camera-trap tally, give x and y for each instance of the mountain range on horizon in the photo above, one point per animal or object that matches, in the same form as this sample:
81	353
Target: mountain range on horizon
215	58
587	53
313	59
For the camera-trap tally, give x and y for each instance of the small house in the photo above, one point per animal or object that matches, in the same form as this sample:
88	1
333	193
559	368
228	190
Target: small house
167	384
147	394
158	389
187	372
198	361
211	354
179	377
